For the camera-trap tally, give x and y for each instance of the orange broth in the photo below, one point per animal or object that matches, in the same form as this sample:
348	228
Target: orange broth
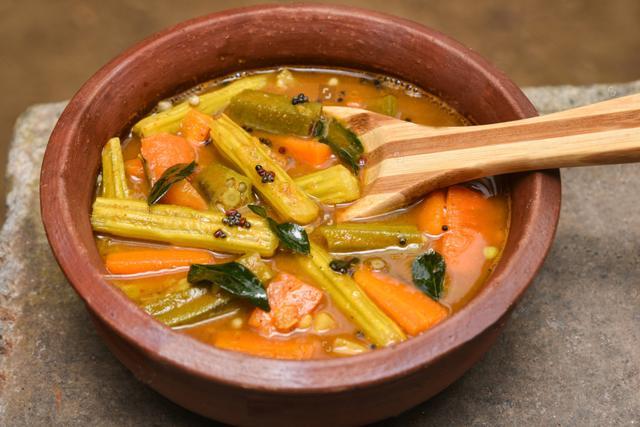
471	244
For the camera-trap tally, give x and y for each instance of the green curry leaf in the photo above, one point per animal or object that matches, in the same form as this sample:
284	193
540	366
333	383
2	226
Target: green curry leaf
344	143
258	210
172	175
428	273
291	235
234	278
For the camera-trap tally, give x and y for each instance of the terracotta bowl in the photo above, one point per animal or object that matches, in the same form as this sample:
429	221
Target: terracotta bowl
242	389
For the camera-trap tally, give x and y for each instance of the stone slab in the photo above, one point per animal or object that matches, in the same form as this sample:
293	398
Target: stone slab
569	356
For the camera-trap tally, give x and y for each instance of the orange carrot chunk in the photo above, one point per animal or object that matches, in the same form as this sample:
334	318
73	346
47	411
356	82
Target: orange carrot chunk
406	305
298	348
471	209
163	150
142	260
183	193
307	151
471	221
134	169
290	300
195	126
474	222
431	213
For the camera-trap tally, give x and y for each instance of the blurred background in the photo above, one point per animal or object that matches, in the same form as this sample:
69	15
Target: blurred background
50	47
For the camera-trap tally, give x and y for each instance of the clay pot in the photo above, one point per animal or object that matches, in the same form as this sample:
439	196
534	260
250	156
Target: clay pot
241	389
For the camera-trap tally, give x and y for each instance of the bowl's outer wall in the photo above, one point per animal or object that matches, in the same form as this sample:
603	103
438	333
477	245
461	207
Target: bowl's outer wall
354	407
245	390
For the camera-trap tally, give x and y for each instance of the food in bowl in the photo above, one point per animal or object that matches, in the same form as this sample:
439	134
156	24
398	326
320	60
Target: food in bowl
217	216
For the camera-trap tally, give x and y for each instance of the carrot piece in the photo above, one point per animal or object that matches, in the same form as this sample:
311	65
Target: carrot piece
406	305
195	126
290	300
299	348
471	218
163	150
141	260
307	151
471	209
474	222
134	169
431	213
183	193
205	155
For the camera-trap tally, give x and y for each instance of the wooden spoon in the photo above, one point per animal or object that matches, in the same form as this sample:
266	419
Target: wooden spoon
405	160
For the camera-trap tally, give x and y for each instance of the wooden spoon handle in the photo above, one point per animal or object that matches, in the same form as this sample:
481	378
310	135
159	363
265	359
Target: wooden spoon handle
602	133
405	160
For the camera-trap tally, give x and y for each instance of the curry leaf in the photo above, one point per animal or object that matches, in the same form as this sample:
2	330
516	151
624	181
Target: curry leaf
234	278
291	235
172	175
344	143
258	210
428	273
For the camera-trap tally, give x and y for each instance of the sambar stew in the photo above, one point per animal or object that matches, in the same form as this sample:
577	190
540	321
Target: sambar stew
217	216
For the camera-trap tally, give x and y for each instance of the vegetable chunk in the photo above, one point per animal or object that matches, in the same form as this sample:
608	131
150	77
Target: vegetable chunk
135	169
274	113
247	154
142	260
332	185
307	151
431	213
368	236
350	299
163	151
290	299
195	126
210	103
299	348
114	182
184	194
225	186
180	226
474	222
186	306
411	309
146	289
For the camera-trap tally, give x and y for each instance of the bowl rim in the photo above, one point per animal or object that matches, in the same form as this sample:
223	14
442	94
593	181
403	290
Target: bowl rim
184	353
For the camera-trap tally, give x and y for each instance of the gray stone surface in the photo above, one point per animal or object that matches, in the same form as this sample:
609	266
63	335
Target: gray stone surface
569	356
